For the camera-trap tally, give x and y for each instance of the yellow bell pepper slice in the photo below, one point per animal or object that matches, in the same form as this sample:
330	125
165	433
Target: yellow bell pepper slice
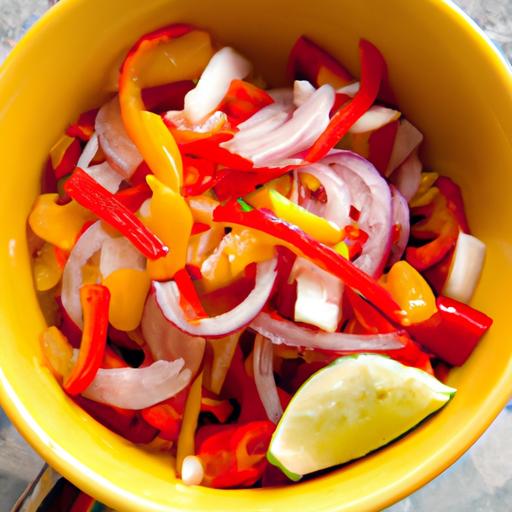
170	219
426	191
411	292
57	224
315	226
220	352
128	291
175	58
186	442
47	271
57	352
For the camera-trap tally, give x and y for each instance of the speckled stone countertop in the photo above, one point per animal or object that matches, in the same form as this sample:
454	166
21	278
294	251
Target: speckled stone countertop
481	481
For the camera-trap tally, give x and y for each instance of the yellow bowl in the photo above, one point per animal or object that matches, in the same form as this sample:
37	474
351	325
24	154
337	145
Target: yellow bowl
450	82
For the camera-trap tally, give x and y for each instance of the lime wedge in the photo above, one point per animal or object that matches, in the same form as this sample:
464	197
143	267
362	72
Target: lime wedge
349	408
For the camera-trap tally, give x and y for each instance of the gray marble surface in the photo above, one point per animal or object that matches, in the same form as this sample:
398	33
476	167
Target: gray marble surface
481	481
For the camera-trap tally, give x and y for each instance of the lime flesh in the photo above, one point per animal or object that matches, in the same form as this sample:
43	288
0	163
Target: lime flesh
349	408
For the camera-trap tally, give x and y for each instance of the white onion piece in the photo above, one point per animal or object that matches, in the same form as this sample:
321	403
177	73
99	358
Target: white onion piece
282	96
138	388
268	119
224	67
407	139
106	176
294	136
282	331
337	207
168	299
350	89
401	219
168	343
88	244
465	269
89	152
121	152
374	118
118	253
371	196
407	177
263	366
319	295
302	91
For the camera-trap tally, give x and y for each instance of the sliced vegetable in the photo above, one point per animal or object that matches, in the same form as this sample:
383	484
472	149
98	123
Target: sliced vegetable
138	388
264	378
234	455
373	69
64	155
95	301
215	371
225	66
282	331
167	342
466	268
165	206
58	224
262	220
308	61
94	197
453	332
168	299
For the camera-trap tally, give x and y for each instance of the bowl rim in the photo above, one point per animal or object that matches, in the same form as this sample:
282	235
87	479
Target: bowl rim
490	408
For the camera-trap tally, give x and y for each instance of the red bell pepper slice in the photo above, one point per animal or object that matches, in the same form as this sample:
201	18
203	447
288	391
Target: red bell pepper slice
373	69
371	321
95	299
104	204
443	218
235	455
189	299
453	332
263	220
199	176
307	60
381	144
133	197
209	149
162	98
221	409
64	159
83	128
124	422
167	416
453	194
243	100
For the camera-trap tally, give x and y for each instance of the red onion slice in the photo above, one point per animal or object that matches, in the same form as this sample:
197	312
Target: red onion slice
302	91
89	243
407	139
121	152
168	343
138	388
376	117
168	299
224	67
263	366
106	176
289	139
89	152
282	331
371	196
118	253
407	177
337	207
401	222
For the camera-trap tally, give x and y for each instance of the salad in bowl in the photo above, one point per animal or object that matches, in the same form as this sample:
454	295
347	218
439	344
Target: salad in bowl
264	282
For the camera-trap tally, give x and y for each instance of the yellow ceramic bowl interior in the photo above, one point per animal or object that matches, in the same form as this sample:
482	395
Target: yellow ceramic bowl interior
450	82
